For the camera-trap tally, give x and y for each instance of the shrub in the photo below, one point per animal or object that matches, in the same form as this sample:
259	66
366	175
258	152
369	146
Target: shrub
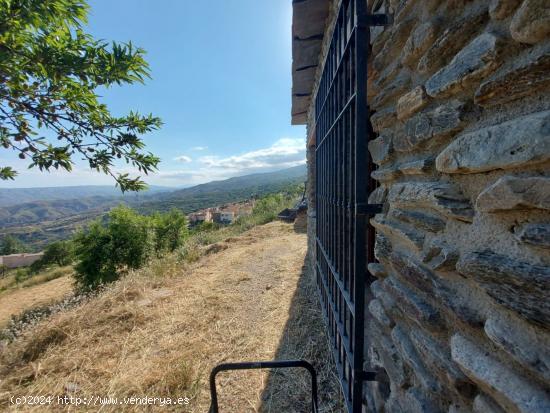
170	230
106	251
11	245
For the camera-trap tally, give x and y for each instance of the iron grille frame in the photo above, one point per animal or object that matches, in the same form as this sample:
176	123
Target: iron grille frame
344	238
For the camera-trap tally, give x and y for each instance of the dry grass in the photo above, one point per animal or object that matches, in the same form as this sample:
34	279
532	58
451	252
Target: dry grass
160	331
34	292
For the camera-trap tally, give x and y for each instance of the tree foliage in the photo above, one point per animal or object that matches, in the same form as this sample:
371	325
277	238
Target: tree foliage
50	72
11	245
126	241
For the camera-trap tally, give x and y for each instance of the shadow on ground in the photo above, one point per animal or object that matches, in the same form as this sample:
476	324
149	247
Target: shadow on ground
289	390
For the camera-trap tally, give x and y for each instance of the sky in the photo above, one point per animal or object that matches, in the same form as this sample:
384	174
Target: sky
221	82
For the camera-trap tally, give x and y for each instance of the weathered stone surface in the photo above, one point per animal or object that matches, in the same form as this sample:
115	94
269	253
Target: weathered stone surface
391	359
510	192
512	391
411	271
520	142
377	270
429	125
439	255
531	23
418	402
412	305
417	167
534	234
438	360
444	197
418	42
500	9
398	35
413	359
392	89
385	174
380	149
376	309
423	220
383	118
525	78
455	35
411	102
472	63
521	342
395	228
378	196
382	247
515	284
484	404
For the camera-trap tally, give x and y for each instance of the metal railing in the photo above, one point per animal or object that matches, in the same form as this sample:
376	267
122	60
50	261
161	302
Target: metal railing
345	240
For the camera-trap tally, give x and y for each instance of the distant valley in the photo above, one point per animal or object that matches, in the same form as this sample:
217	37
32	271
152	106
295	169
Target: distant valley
43	215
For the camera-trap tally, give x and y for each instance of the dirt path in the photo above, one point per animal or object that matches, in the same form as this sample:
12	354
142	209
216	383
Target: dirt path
17	300
247	301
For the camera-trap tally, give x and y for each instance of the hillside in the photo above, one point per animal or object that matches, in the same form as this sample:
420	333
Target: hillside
18	196
41	222
160	331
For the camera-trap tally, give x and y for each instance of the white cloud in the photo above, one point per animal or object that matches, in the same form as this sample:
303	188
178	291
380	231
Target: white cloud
199	148
183	158
284	153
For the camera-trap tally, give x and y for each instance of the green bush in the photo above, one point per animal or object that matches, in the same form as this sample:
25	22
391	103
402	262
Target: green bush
104	252
11	245
170	230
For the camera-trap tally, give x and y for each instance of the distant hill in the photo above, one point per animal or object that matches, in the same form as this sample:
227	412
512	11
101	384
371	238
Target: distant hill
229	190
40	222
17	196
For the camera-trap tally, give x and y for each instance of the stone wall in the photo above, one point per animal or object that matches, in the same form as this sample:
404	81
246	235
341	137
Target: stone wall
459	316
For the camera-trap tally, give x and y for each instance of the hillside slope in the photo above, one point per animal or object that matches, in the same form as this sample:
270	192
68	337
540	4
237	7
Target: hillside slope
159	333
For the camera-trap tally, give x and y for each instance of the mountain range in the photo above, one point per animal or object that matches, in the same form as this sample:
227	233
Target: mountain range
38	216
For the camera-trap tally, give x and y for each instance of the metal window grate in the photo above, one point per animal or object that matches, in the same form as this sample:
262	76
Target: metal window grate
345	240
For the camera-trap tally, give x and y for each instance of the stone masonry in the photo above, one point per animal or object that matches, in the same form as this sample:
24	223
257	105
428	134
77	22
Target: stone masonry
458	319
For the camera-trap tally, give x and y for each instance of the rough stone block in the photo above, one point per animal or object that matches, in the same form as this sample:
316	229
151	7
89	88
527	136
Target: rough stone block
418	401
391	359
444	197
378	196
418	42
411	102
515	284
392	89
484	404
525	78
412	271
377	310
383	118
412	358
417	167
380	149
423	220
451	40
429	125
534	234
385	174
399	33
439	255
521	342
471	64
412	305
522	141
513	392
501	9
377	270
382	247
531	23
394	228
510	192
438	359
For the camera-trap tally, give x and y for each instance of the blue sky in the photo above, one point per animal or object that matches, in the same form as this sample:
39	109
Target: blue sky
220	82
